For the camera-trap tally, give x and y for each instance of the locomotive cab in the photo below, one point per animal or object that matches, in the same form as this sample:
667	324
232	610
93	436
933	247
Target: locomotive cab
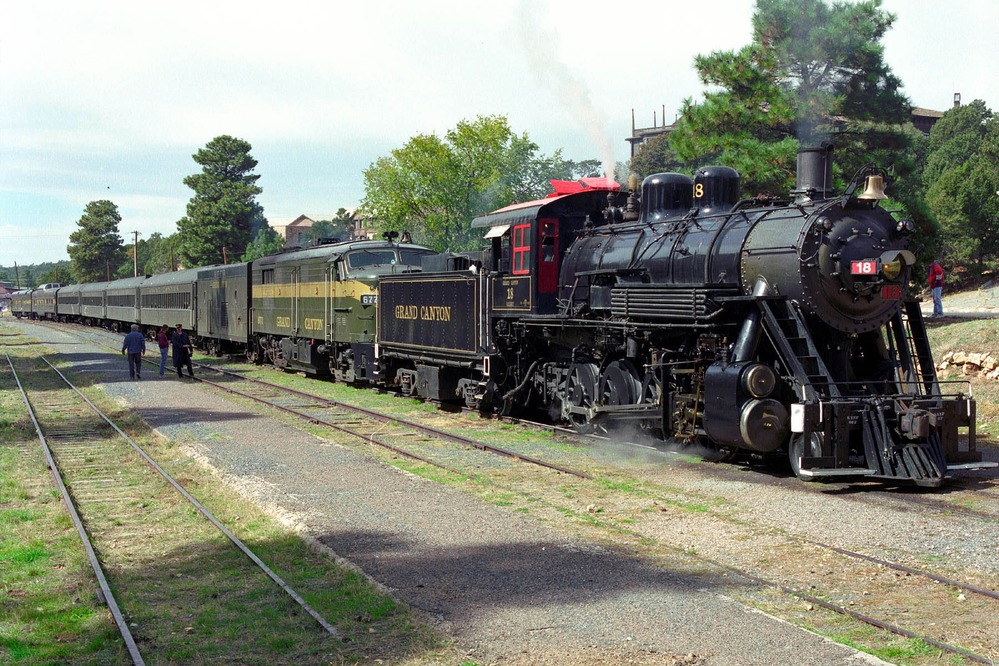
528	243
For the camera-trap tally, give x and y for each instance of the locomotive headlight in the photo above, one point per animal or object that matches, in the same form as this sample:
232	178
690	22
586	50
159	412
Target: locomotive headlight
894	262
905	226
892	269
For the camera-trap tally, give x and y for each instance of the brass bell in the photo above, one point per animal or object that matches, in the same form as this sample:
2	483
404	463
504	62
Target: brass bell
874	189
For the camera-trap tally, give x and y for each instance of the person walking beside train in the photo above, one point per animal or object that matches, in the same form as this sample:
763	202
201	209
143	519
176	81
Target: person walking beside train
135	345
182	351
163	340
935	277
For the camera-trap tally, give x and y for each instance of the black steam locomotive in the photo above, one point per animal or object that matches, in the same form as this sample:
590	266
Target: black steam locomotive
760	326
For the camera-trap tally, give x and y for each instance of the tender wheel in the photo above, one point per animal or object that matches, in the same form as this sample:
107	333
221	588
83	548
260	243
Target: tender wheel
580	389
797	449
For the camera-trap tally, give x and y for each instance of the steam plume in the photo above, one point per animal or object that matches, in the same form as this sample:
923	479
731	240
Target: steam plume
540	45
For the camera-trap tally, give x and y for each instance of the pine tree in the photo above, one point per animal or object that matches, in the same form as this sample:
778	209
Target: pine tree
813	72
95	248
222	211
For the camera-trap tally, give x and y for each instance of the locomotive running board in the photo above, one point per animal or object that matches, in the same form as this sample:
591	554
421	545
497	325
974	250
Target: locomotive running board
977	465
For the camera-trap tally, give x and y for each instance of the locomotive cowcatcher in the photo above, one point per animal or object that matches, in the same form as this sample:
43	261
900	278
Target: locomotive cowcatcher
757	326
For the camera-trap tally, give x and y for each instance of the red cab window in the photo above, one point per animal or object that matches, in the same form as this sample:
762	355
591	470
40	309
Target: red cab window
521	241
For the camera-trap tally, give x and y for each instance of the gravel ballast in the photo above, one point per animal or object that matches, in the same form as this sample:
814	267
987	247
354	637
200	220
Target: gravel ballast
508	588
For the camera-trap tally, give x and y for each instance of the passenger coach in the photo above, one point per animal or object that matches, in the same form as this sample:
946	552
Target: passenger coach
167	298
20	303
122	304
68	302
43	301
92	303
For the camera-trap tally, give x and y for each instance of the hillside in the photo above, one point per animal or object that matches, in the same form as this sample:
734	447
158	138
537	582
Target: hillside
970	324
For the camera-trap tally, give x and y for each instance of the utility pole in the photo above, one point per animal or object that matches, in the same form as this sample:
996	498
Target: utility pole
17	276
135	254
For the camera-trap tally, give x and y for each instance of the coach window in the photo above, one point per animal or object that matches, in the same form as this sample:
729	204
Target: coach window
267	276
521	241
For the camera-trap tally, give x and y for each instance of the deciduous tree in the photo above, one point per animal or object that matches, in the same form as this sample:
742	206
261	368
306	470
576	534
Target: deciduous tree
267	241
341	226
434	186
962	179
95	248
157	254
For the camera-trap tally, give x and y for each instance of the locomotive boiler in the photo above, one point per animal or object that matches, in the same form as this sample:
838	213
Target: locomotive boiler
759	326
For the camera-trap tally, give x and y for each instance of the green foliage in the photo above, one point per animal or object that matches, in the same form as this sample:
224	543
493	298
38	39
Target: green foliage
95	248
962	179
813	72
657	155
341	226
223	211
267	241
433	187
33	275
157	254
58	273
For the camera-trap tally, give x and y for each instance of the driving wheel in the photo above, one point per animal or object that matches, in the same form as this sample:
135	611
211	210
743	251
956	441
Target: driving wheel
580	389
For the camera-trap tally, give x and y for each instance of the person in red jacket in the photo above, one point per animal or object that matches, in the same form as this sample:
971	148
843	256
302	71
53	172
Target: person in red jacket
935	277
163	340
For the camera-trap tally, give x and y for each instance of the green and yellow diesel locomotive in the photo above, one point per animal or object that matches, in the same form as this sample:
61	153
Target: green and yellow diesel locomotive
314	310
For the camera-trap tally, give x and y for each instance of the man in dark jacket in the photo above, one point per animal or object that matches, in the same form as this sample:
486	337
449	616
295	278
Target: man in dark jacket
182	351
135	344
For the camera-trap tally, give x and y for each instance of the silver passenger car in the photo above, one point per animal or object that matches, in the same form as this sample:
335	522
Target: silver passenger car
169	298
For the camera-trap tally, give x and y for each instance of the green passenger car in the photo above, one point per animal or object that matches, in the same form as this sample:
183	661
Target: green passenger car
313	310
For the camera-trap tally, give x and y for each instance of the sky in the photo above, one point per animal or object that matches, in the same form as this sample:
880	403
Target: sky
110	100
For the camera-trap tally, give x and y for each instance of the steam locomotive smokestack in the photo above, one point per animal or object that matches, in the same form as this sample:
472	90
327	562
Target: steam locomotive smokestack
814	178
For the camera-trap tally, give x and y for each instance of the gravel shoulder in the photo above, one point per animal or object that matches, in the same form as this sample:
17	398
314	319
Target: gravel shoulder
508	588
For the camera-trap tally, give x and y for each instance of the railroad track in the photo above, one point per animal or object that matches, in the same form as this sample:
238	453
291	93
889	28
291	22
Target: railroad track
850	612
102	475
373	427
925	580
910	582
386	431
